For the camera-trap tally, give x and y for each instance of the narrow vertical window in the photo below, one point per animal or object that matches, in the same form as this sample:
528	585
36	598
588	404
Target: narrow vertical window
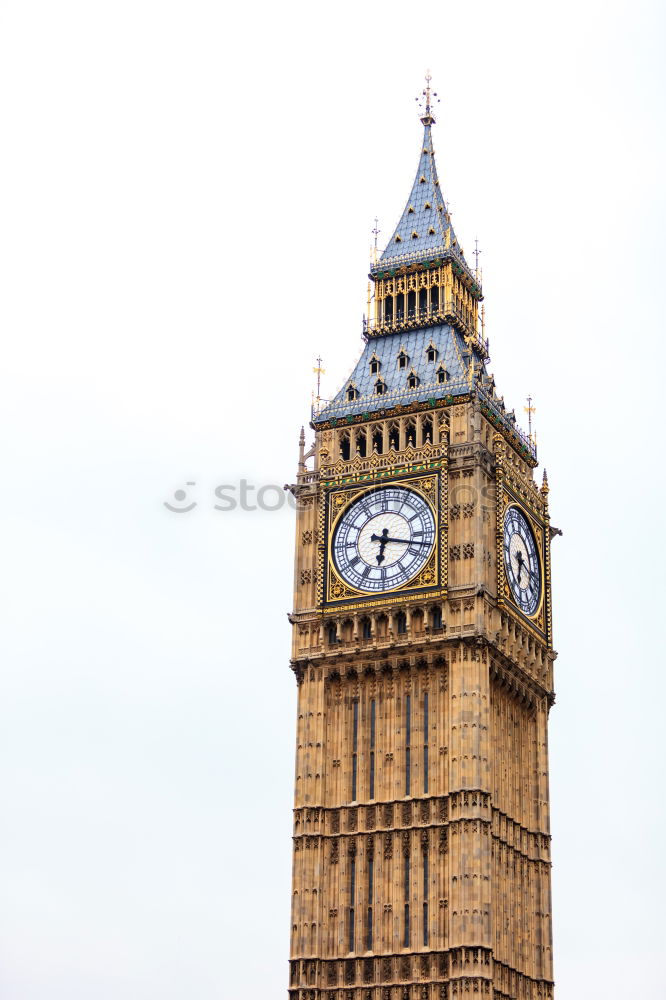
352	896
408	740
354	750
372	749
425	899
425	743
406	937
371	879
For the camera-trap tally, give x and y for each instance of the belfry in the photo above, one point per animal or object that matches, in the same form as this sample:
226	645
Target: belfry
422	649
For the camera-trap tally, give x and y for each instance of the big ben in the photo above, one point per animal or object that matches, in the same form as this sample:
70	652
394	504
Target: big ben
422	650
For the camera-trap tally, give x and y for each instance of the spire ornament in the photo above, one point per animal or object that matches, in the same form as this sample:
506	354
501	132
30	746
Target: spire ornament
425	101
529	410
319	371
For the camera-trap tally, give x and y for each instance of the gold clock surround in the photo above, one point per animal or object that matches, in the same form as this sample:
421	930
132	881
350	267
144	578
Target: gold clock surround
429	577
536	620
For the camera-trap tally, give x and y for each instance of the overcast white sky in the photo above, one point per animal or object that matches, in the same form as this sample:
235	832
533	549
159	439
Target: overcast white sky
187	192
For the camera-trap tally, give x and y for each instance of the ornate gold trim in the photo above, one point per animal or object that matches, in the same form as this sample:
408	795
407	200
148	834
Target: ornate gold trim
336	502
504	593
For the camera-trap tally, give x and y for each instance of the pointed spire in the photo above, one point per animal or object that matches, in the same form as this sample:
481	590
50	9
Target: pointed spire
425	229
545	488
301	450
426	99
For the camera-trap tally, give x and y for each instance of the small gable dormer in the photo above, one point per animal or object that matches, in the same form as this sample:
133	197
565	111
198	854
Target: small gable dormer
412	380
380	386
352	392
442	374
375	364
431	352
403	358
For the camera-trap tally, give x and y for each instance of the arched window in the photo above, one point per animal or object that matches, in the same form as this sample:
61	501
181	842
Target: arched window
431	352
375	365
352	392
345	447
380	387
378	441
401	622
426	430
442	375
403	359
412	380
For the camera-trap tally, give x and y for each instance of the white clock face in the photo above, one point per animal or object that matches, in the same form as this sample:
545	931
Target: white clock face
383	539
521	561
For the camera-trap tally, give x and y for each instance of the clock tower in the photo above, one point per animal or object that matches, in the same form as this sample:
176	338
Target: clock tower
422	649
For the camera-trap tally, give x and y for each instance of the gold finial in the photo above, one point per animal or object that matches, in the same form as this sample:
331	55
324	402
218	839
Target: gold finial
426	100
375	232
476	255
319	371
545	488
529	410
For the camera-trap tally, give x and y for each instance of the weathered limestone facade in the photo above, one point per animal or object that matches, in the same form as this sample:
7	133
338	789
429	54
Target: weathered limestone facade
474	847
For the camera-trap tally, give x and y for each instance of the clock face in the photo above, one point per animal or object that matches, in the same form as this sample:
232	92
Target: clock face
383	539
521	561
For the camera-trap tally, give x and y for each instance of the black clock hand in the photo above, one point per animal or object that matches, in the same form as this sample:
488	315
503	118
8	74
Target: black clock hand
522	565
404	541
384	539
519	557
382	545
